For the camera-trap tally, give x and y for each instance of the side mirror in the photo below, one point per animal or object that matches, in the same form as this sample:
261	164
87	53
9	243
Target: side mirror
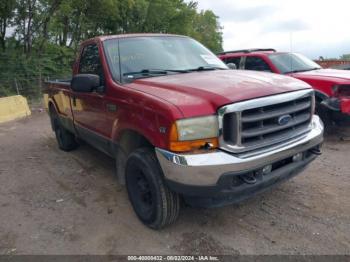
232	66
85	82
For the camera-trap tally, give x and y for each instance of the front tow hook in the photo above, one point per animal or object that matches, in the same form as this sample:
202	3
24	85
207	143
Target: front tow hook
249	178
315	151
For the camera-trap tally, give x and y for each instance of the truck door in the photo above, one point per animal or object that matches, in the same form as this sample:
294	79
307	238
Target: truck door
89	110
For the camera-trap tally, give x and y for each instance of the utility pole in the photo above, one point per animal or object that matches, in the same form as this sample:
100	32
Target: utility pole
16	86
40	82
291	49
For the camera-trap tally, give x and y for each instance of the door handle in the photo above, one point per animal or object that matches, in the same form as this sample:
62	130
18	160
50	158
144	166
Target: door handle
74	101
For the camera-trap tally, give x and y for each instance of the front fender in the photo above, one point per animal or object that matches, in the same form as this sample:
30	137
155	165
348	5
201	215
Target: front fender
148	127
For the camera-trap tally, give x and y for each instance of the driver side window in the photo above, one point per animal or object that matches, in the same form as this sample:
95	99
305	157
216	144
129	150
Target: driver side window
257	64
234	60
90	62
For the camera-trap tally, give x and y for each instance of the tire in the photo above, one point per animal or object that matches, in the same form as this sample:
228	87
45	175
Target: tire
324	114
65	139
153	202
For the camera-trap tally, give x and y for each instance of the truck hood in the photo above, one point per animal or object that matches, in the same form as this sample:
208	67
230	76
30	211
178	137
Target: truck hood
324	74
202	93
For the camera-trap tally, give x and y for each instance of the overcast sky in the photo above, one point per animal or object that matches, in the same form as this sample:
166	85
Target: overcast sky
316	28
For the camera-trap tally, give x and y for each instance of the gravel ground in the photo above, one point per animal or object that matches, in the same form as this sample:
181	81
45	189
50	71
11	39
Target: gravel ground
52	202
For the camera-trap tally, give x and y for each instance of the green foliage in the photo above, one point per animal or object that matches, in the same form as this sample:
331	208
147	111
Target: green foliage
24	74
345	57
7	8
47	33
207	30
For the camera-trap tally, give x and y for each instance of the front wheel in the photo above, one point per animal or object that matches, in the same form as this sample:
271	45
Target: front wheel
154	203
324	114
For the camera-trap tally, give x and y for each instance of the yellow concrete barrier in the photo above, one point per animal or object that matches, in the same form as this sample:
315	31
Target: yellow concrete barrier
13	107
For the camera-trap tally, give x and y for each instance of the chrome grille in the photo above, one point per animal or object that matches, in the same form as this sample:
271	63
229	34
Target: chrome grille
263	122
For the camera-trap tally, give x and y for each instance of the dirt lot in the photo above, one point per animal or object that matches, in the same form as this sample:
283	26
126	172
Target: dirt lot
53	202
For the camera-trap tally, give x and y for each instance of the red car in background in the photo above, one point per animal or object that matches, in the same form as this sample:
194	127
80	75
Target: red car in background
332	87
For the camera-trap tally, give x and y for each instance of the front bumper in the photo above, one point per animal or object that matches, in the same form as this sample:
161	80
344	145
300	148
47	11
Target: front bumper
206	174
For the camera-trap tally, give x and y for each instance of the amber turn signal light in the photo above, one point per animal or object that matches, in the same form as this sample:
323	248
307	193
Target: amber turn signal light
191	145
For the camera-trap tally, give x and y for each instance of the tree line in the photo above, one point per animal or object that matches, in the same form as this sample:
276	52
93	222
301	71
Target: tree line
40	38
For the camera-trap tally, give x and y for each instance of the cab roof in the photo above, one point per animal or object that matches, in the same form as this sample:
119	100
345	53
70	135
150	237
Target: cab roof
108	37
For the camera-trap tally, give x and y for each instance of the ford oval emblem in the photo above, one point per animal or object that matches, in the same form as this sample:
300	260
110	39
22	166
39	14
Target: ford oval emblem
285	119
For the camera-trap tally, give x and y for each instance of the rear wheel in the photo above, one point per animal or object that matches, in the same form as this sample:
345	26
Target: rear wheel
154	203
65	139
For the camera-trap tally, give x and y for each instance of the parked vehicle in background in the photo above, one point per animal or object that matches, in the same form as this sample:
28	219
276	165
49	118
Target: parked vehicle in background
332	87
342	67
332	63
181	125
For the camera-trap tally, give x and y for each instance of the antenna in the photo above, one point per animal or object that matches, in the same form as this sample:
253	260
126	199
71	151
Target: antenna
291	49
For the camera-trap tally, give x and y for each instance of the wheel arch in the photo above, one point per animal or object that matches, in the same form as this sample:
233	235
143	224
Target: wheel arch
52	109
320	96
128	141
51	106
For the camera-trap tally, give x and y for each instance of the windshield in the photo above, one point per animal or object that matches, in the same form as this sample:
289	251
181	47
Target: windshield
137	57
292	63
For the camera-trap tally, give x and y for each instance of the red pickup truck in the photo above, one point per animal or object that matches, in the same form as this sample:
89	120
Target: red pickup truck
332	87
181	125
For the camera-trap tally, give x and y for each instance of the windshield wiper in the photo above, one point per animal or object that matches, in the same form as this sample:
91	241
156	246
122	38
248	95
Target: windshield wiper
146	72
155	72
303	70
205	68
150	72
176	70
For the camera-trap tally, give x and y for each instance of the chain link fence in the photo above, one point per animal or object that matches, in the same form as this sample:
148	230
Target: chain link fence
25	75
30	86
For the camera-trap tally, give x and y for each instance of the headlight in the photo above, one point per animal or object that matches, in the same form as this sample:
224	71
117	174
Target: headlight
194	133
197	128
